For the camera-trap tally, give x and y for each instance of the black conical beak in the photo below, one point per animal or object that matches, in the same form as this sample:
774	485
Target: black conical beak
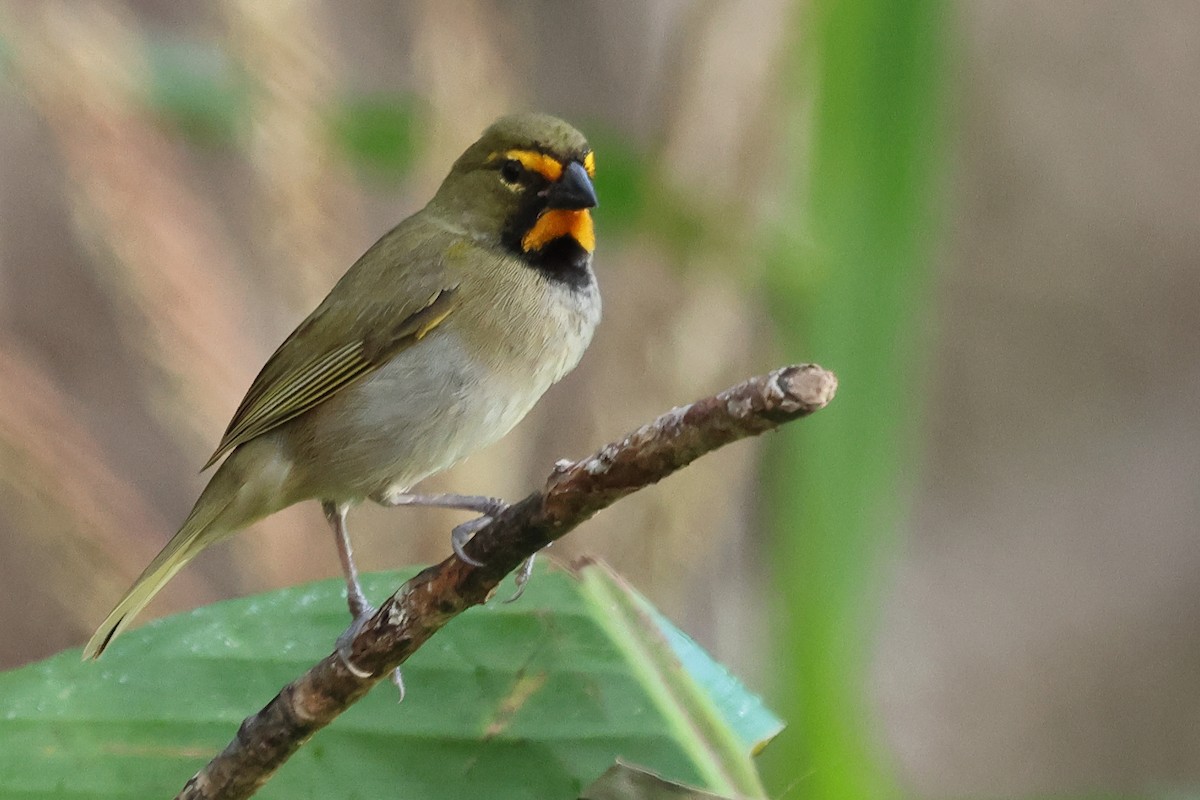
573	190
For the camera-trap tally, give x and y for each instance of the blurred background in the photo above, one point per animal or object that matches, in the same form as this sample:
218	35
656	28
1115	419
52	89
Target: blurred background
975	574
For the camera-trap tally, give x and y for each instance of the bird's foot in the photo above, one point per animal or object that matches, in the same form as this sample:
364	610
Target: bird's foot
523	575
462	534
486	507
361	611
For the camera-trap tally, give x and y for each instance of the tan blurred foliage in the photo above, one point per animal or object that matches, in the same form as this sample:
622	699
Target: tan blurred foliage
1039	633
182	268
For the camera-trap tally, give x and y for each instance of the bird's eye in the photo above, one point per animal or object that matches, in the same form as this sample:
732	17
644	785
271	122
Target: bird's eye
510	171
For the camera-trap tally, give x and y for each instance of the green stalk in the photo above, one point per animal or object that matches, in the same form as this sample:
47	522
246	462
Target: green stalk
849	289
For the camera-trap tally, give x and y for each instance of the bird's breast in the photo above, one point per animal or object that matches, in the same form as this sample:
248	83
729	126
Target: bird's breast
463	386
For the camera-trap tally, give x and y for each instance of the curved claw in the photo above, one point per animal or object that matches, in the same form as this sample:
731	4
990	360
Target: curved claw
462	534
523	576
345	641
398	679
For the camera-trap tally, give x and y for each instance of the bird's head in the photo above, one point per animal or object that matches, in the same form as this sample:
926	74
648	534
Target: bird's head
527	184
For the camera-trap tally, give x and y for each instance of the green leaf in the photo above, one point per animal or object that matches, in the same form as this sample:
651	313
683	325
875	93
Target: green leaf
699	715
531	700
626	782
744	714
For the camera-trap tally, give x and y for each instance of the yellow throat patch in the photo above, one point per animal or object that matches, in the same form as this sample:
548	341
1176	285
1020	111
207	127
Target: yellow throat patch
561	222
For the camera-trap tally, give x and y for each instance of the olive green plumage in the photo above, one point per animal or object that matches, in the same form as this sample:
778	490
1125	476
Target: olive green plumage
436	342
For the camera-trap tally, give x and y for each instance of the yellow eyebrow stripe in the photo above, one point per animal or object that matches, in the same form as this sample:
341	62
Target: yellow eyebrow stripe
589	163
548	167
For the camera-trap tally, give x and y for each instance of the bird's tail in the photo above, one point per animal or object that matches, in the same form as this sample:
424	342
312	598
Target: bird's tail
194	536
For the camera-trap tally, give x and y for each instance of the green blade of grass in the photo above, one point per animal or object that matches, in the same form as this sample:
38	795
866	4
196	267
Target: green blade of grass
849	279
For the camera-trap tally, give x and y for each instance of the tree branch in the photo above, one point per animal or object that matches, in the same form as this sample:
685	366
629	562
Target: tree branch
573	493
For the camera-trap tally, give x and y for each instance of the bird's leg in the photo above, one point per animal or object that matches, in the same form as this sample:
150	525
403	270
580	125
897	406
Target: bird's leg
487	507
336	514
360	609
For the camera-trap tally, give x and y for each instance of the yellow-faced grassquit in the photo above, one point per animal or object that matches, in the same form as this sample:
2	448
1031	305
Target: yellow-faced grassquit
435	343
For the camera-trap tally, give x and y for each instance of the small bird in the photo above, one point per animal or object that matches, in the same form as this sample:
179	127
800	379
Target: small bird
434	344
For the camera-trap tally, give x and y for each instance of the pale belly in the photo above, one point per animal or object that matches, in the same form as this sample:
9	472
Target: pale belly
426	409
434	404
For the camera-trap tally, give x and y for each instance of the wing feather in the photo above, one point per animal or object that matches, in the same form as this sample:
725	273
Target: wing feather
277	396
